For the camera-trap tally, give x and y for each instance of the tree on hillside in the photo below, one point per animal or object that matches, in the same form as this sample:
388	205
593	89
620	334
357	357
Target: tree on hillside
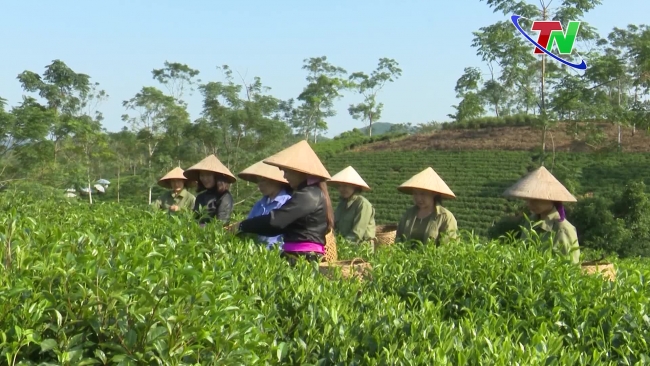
87	139
25	136
609	90
124	146
633	46
325	84
7	123
70	116
24	124
5	127
64	92
609	71
568	103
176	77
265	131
467	89
239	121
368	86
154	110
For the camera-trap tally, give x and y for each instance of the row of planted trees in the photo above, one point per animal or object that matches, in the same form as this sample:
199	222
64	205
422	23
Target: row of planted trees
614	88
55	135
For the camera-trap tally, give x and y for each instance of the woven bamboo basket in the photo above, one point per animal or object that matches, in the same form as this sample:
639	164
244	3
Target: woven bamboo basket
331	254
357	268
607	270
385	234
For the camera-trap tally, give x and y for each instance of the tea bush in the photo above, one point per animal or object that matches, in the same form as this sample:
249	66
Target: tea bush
486	122
619	223
350	140
112	284
515	120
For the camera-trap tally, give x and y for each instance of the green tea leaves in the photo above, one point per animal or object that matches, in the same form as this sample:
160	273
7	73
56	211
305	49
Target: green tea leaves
134	289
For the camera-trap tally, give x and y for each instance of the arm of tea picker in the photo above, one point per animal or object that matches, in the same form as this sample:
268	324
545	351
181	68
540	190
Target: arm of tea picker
401	227
224	209
188	203
299	205
448	231
566	241
157	204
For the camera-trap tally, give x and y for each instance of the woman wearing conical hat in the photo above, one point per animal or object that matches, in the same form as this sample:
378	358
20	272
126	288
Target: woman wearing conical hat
275	193
306	218
177	198
354	217
213	184
544	195
427	219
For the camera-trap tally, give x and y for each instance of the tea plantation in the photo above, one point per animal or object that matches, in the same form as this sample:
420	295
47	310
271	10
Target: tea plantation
479	178
113	284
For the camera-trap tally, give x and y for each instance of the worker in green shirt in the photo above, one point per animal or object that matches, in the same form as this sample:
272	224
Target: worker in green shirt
427	220
354	217
177	198
544	195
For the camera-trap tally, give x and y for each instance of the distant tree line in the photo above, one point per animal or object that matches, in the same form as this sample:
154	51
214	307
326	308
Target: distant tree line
56	135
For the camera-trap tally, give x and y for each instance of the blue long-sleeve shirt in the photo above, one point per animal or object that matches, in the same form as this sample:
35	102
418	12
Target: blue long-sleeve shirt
263	207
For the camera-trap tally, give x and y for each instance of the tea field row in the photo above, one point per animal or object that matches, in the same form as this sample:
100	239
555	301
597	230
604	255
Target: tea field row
479	178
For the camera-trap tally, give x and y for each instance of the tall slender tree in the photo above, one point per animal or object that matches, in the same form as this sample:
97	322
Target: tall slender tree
368	86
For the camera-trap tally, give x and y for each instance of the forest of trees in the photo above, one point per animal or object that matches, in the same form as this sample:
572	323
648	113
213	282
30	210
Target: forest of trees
614	87
55	135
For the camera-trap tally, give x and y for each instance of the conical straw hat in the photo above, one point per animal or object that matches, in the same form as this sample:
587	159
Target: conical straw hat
349	176
301	158
542	185
427	180
261	170
176	173
209	164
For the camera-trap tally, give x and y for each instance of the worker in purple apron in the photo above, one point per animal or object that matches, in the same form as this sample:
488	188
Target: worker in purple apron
307	217
275	192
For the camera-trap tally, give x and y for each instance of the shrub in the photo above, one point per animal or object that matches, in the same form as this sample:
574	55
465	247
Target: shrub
618	223
486	122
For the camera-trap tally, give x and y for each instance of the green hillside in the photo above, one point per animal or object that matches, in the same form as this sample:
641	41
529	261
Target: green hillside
478	178
378	128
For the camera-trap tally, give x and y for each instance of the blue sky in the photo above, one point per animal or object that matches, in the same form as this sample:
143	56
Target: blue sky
119	42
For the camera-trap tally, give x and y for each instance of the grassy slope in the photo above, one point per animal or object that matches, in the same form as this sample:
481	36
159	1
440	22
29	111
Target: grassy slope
378	128
512	139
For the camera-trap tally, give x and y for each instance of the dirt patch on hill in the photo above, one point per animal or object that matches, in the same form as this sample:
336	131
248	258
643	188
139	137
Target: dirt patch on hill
510	138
